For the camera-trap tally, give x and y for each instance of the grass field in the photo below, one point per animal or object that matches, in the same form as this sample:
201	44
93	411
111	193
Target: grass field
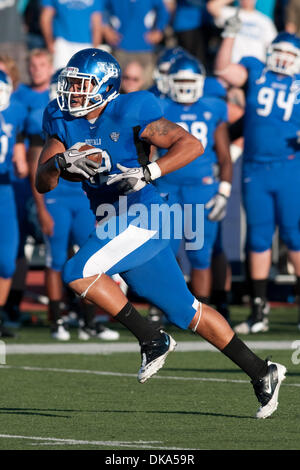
92	401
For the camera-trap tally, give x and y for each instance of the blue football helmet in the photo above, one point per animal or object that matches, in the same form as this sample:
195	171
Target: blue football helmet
186	80
163	64
283	54
91	74
6	89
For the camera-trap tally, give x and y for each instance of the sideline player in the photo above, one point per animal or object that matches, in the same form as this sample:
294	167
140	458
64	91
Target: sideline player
89	106
271	161
12	153
205	118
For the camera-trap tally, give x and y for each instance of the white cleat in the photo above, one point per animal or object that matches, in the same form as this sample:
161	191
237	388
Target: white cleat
248	327
267	389
154	355
107	334
61	334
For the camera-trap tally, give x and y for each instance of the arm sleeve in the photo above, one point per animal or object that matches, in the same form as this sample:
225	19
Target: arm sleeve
163	16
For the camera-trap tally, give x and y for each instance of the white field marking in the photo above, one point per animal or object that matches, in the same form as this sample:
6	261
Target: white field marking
59	441
109	348
123	374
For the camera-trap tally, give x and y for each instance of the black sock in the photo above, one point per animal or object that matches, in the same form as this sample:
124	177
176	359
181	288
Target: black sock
259	288
14	299
221	299
88	314
297	289
203	300
54	310
2	314
139	326
243	357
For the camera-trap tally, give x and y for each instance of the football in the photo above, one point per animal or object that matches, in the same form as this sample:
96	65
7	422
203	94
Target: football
95	157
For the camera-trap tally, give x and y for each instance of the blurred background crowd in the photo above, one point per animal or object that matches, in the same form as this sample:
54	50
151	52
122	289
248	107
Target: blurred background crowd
38	37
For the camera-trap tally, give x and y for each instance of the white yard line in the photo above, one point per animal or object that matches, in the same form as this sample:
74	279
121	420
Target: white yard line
109	348
55	441
124	374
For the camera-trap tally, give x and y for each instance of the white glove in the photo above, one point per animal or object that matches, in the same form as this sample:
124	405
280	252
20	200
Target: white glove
218	203
75	162
134	179
232	26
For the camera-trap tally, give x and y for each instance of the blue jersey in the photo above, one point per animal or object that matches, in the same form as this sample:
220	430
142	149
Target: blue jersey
117	132
272	116
201	120
187	16
213	87
31	98
133	20
11	124
72	20
35	103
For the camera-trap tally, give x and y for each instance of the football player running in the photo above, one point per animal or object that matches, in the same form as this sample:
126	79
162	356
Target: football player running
89	107
271	159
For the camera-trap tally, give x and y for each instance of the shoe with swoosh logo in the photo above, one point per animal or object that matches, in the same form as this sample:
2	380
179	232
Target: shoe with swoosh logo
154	355
267	389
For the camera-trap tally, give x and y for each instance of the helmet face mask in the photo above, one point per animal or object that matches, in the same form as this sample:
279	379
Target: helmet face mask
6	89
164	62
186	81
283	55
90	80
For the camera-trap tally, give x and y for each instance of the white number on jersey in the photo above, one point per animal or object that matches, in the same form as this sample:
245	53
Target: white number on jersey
105	168
197	129
266	97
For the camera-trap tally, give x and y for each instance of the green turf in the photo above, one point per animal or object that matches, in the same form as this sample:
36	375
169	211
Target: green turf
283	326
165	413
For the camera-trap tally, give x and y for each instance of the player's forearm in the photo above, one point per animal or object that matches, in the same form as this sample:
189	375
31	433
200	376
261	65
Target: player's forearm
32	157
181	153
214	7
182	146
47	176
226	171
46	19
223	57
96	21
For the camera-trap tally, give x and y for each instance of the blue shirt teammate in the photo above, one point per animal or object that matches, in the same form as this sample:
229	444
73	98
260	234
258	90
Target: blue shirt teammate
271	169
89	107
12	116
205	118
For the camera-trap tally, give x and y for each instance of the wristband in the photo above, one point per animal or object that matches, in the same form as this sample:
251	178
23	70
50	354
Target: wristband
154	170
225	188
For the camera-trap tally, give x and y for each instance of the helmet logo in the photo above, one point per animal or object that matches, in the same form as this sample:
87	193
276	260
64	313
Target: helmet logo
69	71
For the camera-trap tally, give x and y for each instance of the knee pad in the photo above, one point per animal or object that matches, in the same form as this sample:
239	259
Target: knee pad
7	267
69	273
291	237
200	259
259	239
